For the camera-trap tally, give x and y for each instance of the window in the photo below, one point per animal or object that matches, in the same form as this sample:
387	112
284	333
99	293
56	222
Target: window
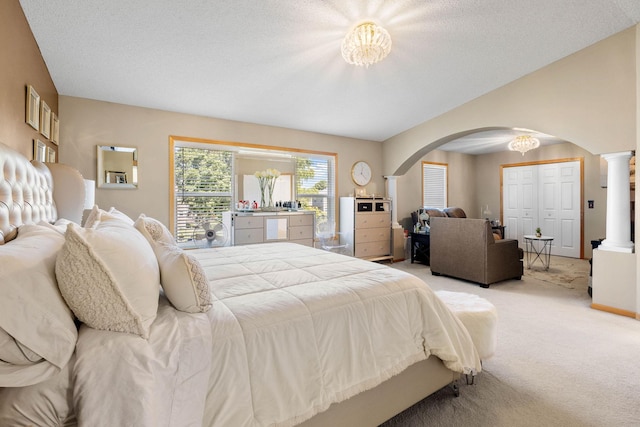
434	185
208	179
202	187
315	186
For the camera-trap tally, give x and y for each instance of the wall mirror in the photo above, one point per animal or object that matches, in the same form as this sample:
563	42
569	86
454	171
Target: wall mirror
247	162
117	167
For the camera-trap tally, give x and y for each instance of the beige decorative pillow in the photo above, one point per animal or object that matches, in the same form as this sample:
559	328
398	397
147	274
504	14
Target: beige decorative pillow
154	230
183	278
38	333
93	216
14	352
109	276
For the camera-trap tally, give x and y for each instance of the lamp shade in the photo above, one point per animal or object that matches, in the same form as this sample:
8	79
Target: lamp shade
89	193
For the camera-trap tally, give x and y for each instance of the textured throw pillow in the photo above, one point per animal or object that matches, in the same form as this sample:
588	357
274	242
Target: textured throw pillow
154	230
183	278
93	216
38	333
109	276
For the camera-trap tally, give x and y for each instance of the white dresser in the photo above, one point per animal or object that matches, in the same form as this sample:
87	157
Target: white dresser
246	228
365	223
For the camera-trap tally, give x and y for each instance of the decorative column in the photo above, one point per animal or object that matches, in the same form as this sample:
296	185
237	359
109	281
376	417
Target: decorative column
618	231
392	193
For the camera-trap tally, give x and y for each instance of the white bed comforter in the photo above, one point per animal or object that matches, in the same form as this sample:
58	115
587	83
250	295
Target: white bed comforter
121	379
295	329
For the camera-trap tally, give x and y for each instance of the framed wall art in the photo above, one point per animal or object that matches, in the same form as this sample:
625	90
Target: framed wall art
39	151
55	129
51	155
45	119
33	108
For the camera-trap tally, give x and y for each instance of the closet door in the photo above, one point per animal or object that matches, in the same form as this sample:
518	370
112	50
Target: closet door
545	196
568	238
520	201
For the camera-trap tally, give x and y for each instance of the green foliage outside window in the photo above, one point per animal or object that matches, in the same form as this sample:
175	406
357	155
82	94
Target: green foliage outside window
202	187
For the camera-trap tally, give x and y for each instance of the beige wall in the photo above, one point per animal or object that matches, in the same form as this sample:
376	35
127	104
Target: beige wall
588	98
85	123
22	64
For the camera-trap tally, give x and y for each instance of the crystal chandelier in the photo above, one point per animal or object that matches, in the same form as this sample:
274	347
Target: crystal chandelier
366	44
523	143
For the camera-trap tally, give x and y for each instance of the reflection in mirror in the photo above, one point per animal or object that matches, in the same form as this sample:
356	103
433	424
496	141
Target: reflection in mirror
117	167
282	191
248	162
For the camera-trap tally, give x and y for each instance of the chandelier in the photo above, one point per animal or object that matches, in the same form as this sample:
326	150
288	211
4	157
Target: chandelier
366	44
523	143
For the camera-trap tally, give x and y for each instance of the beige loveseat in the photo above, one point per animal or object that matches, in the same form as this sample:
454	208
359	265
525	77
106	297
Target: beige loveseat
466	249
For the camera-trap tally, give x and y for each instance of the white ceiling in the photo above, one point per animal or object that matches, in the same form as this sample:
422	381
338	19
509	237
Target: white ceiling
278	62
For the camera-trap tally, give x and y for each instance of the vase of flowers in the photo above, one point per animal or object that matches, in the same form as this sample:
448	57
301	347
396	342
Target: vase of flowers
267	181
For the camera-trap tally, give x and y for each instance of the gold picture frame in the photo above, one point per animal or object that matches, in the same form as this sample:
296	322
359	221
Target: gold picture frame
33	108
55	129
45	119
39	151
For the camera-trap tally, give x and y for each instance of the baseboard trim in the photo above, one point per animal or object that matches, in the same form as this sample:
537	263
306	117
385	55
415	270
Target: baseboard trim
614	310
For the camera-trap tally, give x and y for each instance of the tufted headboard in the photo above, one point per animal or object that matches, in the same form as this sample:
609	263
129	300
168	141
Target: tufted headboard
28	194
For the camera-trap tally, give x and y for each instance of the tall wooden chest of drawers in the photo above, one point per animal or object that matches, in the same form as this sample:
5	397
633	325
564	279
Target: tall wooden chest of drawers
365	223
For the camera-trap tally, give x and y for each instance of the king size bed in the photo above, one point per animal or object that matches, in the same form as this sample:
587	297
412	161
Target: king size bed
112	324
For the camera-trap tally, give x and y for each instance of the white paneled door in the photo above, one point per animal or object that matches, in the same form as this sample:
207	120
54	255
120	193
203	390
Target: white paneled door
546	196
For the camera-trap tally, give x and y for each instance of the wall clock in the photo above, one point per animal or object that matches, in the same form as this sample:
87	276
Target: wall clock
361	173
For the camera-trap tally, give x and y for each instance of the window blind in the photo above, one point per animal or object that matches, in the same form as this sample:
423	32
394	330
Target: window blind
202	188
434	185
315	185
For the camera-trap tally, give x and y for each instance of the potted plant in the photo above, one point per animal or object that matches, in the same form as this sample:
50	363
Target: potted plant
538	232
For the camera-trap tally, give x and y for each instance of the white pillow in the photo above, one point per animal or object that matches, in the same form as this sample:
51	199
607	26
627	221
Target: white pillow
183	278
9	235
32	312
96	213
109	276
14	352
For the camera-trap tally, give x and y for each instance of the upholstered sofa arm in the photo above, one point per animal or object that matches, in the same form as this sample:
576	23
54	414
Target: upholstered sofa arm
504	249
504	260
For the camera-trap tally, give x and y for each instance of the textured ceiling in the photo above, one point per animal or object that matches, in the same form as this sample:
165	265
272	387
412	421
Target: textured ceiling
277	62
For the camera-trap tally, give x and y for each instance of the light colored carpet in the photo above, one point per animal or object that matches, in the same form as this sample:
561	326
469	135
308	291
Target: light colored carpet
558	362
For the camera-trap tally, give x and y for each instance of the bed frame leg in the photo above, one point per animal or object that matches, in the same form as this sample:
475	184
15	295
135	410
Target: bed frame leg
455	388
471	379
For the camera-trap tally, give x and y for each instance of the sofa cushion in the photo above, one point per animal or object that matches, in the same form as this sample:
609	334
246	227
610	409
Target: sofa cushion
454	212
